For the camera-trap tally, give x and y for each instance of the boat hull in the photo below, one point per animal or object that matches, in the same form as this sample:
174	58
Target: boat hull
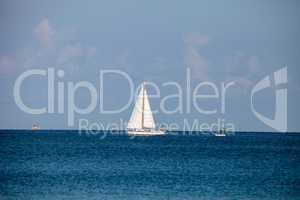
145	133
220	135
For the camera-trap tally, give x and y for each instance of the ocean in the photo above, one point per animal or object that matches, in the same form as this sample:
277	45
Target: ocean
68	165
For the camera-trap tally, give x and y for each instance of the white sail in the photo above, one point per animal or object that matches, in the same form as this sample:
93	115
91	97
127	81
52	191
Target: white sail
148	116
135	121
141	116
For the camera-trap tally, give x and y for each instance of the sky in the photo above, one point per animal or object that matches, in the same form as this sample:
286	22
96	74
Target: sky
157	41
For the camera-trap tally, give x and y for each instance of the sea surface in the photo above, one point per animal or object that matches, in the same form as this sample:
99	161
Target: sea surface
68	165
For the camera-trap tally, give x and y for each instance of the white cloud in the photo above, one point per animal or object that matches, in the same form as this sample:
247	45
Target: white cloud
44	33
253	64
193	59
242	69
91	51
238	67
69	52
58	49
195	39
197	63
7	64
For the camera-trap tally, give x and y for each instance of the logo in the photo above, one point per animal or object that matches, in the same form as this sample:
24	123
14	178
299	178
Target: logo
279	122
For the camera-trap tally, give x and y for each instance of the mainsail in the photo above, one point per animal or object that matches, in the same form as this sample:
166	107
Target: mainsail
142	117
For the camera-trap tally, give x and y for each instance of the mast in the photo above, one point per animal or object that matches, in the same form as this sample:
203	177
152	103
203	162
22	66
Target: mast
143	105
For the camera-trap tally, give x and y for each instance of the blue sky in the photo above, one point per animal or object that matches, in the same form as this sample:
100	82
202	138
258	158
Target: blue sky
155	41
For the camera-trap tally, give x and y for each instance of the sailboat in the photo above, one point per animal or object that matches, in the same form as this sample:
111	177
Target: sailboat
35	127
141	121
221	133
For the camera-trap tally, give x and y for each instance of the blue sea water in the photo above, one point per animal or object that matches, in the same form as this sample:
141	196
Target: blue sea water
67	165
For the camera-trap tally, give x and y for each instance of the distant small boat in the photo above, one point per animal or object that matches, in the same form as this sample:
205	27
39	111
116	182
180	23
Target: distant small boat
220	133
35	127
141	121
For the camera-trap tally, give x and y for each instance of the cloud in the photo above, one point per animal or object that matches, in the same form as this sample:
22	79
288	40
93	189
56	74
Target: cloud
192	57
44	33
240	64
58	48
69	52
242	69
242	82
91	51
195	39
197	63
237	67
74	51
7	65
253	64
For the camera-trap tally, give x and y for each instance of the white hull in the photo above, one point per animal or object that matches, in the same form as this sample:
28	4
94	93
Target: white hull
145	133
220	135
